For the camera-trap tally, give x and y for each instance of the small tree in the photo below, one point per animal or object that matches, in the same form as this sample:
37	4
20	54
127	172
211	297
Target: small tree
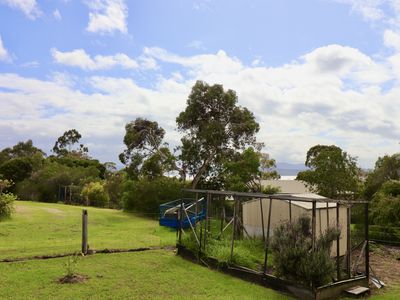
333	173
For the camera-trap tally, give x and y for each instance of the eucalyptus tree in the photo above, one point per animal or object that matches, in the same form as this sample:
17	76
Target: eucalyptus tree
214	128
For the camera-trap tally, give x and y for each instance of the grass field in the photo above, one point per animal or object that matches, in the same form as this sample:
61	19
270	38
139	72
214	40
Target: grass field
42	229
46	228
140	275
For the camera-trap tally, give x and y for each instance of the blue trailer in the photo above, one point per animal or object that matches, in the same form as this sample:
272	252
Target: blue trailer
192	212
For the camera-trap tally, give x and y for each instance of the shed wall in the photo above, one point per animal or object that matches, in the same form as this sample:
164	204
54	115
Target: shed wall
280	213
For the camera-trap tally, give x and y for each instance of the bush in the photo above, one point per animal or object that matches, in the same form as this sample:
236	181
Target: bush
95	194
293	255
6	205
146	195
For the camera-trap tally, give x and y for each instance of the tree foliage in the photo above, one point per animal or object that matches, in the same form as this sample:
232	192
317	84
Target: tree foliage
244	171
145	152
95	194
333	173
214	127
385	204
47	183
16	169
20	150
386	168
65	143
146	195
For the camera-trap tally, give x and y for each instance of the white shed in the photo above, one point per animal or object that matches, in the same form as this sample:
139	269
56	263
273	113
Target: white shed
280	212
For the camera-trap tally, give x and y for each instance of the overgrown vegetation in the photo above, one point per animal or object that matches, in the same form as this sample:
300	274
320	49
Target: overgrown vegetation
6	200
295	257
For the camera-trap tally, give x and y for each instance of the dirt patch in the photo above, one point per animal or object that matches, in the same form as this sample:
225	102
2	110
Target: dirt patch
54	211
76	278
385	262
21	209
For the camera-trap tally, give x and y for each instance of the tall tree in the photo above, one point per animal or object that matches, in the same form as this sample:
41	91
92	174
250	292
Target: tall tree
214	128
145	152
64	145
333	173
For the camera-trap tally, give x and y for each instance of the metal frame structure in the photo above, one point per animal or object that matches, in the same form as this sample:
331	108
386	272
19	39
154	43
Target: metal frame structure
235	221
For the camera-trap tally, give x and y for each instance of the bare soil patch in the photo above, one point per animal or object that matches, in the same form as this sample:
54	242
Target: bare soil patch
54	211
385	263
76	278
21	209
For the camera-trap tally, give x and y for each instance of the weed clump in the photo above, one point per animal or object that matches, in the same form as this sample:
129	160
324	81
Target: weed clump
71	275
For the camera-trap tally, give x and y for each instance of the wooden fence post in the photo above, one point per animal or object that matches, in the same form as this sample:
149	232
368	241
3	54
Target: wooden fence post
84	231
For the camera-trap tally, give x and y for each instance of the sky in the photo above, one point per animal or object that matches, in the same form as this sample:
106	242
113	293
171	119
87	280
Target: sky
312	71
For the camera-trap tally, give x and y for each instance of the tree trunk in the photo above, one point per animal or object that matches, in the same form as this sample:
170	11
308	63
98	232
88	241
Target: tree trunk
201	171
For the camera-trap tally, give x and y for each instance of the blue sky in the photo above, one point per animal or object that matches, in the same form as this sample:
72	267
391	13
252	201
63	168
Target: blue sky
320	71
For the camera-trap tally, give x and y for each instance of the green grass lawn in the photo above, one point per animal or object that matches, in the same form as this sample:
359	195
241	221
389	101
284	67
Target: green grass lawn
43	229
140	275
46	228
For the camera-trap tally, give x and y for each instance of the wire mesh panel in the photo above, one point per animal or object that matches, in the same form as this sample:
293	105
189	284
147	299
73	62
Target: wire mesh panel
241	230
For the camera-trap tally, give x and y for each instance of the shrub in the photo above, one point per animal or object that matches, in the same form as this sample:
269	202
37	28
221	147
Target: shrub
146	195
294	257
6	205
95	194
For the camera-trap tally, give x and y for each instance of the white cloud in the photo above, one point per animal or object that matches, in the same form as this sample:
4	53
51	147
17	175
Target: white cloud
4	55
107	16
385	11
327	96
371	10
79	58
31	64
28	7
391	39
57	15
196	45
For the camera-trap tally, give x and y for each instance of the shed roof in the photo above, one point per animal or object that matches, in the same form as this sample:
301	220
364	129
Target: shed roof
303	204
308	205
